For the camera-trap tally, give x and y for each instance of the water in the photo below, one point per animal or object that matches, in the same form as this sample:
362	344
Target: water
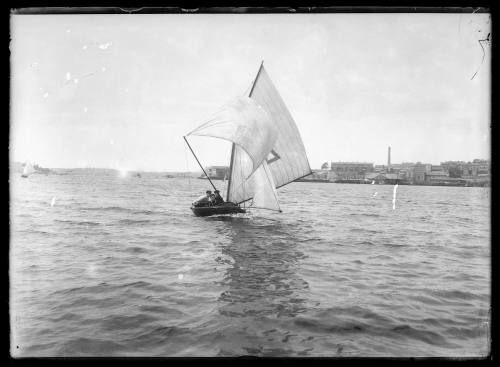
121	267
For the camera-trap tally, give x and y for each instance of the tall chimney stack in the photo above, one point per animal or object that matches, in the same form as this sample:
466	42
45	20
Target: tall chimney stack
389	159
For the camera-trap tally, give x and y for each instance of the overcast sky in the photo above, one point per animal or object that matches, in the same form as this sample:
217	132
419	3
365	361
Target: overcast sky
120	91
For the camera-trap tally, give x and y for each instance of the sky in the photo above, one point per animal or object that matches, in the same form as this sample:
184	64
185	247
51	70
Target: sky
120	91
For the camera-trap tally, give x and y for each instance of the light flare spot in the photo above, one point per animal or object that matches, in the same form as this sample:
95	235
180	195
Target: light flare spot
92	270
180	276
123	173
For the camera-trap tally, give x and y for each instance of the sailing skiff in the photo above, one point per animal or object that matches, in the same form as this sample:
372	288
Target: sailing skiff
267	149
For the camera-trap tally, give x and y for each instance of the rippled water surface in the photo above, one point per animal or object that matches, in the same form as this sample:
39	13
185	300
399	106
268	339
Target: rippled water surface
121	267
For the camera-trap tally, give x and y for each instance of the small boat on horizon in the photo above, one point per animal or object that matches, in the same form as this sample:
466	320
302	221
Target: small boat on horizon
27	170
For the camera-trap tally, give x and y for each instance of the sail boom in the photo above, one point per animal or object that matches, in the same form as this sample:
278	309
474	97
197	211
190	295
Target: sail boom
259	207
298	178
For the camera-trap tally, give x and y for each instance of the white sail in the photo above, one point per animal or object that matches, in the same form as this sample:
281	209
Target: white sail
28	169
260	185
265	195
287	160
247	125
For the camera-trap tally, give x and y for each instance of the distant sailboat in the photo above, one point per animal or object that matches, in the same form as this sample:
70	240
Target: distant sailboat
27	170
267	150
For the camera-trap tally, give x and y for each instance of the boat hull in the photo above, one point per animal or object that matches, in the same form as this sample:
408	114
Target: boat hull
225	208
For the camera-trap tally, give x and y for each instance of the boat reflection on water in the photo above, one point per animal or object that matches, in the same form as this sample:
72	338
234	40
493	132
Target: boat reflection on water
263	289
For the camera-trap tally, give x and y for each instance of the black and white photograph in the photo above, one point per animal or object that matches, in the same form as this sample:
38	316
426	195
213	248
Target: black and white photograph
245	183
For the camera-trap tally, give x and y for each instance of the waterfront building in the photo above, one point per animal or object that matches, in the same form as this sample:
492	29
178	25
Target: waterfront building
383	178
406	171
435	168
351	170
471	170
419	172
435	176
217	172
395	167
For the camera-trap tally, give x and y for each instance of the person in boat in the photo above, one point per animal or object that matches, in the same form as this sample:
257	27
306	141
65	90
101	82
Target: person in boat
217	198
204	200
211	199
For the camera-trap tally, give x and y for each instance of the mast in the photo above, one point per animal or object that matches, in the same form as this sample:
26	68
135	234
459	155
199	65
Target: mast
230	171
199	163
255	80
232	148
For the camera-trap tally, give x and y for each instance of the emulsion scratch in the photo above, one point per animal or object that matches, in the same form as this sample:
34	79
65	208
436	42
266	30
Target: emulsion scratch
88	74
104	46
394	197
487	41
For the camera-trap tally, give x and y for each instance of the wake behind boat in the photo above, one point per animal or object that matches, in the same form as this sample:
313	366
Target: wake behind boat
267	150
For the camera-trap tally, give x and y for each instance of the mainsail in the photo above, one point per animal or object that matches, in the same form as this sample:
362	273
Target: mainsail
286	161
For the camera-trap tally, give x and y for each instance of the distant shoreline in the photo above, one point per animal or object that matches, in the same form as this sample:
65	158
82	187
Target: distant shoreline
392	184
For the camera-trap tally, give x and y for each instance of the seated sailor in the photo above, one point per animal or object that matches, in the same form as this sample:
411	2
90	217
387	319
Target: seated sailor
217	198
204	200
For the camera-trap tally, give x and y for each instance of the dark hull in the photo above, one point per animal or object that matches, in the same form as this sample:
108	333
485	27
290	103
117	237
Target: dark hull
226	208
